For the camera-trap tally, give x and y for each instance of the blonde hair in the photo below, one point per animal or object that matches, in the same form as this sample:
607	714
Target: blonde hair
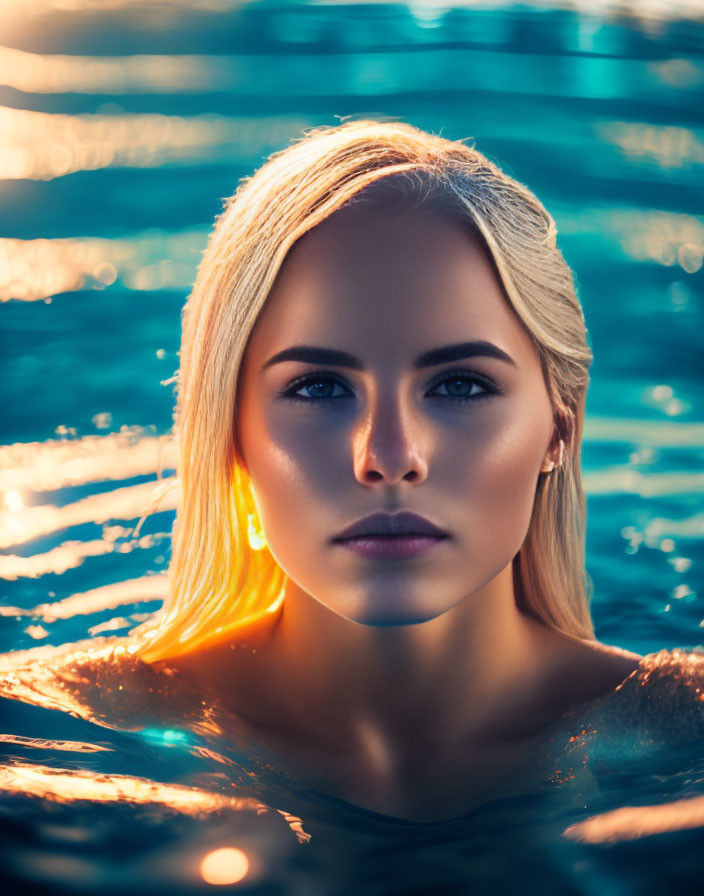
217	582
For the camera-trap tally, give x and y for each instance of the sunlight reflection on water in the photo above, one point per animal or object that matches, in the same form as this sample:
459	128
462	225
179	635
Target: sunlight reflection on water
125	124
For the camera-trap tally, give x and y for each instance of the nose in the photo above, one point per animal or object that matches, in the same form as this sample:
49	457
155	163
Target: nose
388	444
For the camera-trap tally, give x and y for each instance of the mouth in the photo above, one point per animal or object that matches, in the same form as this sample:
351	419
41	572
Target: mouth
391	547
401	524
393	536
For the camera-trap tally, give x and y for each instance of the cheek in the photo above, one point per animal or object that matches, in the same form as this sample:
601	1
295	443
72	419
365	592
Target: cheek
294	506
501	473
296	473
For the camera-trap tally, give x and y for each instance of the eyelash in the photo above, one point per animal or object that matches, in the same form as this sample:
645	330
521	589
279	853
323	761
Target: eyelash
310	379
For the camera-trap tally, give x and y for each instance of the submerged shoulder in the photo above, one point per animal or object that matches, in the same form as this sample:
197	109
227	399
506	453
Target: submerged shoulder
660	703
657	707
676	668
666	691
100	680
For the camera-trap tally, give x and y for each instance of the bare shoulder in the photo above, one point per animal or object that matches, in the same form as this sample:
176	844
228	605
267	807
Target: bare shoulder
610	654
581	671
608	666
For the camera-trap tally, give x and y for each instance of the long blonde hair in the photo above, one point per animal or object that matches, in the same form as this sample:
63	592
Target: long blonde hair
217	582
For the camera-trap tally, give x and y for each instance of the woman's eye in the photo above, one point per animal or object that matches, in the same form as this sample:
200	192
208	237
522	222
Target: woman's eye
463	387
459	388
319	388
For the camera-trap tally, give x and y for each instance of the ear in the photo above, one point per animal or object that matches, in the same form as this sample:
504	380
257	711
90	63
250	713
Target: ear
557	449
549	462
554	457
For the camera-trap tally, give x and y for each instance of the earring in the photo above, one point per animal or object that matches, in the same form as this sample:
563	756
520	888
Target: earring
255	534
562	451
553	465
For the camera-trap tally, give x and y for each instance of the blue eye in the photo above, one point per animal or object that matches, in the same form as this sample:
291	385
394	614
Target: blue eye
314	383
460	387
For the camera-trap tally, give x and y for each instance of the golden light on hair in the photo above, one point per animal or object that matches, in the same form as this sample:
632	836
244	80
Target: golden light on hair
224	866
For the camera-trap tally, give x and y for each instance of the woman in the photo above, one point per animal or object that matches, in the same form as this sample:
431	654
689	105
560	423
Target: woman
378	561
383	375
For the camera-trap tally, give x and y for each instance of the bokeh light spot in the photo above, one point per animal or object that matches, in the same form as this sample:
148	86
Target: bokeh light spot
224	866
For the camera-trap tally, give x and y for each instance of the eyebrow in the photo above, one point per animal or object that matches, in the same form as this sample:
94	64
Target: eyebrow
445	354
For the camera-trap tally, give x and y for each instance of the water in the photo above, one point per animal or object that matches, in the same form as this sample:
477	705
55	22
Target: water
114	167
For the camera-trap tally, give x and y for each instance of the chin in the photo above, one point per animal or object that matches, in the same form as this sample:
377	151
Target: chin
387	623
382	617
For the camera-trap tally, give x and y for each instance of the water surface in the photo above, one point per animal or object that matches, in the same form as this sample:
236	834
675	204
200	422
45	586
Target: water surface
124	126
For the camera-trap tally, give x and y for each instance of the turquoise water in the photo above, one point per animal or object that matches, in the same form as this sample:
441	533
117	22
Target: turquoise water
123	128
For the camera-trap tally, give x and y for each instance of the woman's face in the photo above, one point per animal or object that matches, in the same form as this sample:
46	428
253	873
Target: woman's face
459	441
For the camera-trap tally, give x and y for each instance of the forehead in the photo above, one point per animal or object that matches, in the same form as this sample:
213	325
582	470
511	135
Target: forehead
382	279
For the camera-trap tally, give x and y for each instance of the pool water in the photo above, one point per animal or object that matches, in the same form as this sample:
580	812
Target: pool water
124	126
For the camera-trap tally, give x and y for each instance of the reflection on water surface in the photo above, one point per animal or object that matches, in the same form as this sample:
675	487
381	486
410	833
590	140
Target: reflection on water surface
125	123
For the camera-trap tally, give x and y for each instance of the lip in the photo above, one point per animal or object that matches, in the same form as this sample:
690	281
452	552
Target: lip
391	547
394	526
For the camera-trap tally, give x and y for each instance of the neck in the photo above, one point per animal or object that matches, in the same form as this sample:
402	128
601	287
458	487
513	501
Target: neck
318	674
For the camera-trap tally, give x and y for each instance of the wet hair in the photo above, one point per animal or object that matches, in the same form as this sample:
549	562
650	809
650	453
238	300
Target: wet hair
217	581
